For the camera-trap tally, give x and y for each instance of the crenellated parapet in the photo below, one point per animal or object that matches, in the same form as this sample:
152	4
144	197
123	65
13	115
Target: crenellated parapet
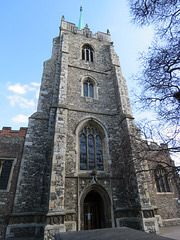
71	27
7	131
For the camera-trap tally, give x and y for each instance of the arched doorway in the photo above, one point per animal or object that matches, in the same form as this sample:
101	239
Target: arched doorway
93	210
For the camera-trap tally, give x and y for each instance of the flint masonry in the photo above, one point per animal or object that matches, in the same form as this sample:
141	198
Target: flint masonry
78	169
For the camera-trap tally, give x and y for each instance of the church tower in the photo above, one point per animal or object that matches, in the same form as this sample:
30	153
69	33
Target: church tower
78	170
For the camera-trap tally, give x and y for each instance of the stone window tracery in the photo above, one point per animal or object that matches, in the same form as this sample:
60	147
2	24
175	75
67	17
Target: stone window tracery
87	53
161	179
88	88
91	155
5	171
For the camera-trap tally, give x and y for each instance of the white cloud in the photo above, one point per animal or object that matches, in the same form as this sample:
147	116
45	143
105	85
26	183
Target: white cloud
23	89
22	102
17	88
20	89
37	94
28	88
27	103
35	84
20	118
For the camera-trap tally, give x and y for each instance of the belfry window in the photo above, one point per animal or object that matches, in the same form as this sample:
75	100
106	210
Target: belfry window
161	179
88	88
87	53
91	156
5	170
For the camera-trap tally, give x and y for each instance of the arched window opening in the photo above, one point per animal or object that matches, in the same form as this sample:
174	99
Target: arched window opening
91	156
5	171
161	179
87	53
88	88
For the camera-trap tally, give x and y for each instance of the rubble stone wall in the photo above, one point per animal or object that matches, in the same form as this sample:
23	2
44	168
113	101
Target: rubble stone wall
11	147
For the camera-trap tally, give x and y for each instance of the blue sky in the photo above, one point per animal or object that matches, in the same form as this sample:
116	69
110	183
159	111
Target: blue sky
27	29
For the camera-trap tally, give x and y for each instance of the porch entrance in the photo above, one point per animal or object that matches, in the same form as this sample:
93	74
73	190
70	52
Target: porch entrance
93	211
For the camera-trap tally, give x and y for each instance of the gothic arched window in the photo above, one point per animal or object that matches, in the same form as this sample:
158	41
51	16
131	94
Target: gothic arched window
5	172
91	156
161	179
88	88
87	53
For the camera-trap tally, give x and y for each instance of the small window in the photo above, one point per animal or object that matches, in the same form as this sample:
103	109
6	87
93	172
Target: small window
91	156
88	88
5	171
161	179
87	53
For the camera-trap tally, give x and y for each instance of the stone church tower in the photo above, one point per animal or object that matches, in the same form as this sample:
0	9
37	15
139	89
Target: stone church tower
78	153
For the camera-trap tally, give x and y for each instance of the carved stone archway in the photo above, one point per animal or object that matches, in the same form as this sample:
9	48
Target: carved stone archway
95	207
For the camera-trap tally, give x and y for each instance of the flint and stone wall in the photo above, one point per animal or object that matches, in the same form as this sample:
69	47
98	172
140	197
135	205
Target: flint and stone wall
11	147
166	204
51	187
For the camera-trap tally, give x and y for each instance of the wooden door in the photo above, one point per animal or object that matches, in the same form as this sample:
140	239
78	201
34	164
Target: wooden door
91	216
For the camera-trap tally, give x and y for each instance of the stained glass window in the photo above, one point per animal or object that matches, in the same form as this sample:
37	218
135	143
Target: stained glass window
88	88
91	152
91	155
83	152
91	90
166	183
5	170
99	153
157	183
161	179
162	183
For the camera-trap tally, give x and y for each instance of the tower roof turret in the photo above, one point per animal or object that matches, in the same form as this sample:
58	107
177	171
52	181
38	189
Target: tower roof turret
81	24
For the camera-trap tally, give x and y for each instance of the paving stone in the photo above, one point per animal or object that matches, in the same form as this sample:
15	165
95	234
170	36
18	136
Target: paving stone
109	234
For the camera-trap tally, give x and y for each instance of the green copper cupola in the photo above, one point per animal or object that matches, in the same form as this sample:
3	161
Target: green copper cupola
81	24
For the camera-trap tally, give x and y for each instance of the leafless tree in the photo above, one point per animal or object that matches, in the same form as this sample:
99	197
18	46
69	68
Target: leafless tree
160	68
160	75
